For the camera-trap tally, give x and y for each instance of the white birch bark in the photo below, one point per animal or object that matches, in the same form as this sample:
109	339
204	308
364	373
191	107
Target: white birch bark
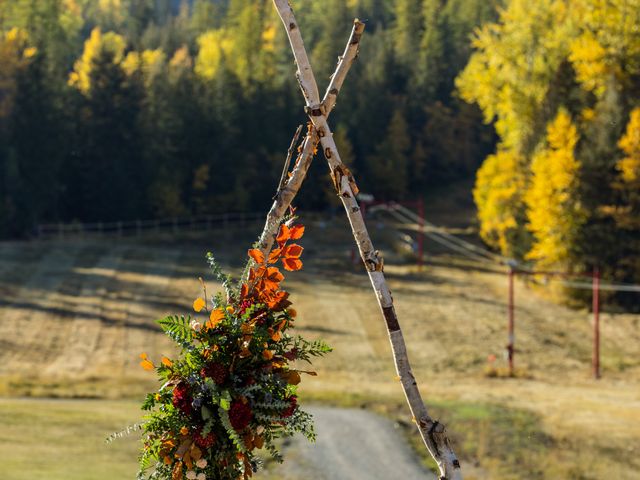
286	193
432	432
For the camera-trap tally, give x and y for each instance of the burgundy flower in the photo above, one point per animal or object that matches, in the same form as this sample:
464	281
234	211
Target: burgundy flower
215	370
182	399
291	354
204	442
240	415
293	404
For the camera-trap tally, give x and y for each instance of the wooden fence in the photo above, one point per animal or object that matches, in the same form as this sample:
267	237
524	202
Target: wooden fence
133	228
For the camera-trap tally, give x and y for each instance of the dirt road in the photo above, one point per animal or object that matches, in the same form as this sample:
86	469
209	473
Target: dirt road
352	444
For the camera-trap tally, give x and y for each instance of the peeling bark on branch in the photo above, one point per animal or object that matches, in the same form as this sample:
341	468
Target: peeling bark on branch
432	432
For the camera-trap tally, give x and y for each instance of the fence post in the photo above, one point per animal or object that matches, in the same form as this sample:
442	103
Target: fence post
511	338
421	234
595	359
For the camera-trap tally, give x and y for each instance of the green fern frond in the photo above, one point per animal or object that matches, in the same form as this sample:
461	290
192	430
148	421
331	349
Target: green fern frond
178	328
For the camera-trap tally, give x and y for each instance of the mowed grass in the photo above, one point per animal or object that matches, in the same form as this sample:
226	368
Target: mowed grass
76	315
65	439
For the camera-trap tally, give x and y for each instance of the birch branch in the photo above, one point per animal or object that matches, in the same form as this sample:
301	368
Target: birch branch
432	432
289	190
344	64
287	162
305	76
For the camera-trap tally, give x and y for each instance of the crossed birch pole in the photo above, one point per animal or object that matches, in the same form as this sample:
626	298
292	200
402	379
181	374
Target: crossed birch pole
433	433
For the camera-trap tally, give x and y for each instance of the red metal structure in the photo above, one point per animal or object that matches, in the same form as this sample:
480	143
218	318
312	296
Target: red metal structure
511	337
595	288
595	357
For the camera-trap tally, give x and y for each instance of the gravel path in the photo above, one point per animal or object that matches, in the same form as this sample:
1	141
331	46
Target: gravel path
352	444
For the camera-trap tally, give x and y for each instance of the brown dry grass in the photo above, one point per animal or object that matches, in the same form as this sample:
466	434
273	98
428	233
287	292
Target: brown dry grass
76	315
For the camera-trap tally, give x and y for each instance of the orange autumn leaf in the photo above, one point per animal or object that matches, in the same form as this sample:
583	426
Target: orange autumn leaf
292	264
147	365
257	255
276	336
274	275
176	473
258	441
187	460
198	304
296	232
293	251
283	234
167	362
274	255
244	290
215	318
196	453
278	300
247	328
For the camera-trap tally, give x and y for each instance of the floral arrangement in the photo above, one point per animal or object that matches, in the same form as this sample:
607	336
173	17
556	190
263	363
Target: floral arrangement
232	388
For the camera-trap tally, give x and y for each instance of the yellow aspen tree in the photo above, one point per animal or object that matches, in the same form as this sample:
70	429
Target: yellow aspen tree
515	61
629	166
626	213
553	207
608	46
15	54
150	63
214	47
97	43
498	193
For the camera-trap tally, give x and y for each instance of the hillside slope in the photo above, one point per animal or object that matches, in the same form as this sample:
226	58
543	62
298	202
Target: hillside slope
75	316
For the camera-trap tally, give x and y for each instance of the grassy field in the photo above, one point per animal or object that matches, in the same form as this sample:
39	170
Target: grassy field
75	316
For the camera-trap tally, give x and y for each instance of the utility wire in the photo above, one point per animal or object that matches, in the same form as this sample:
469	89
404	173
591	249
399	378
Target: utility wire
439	235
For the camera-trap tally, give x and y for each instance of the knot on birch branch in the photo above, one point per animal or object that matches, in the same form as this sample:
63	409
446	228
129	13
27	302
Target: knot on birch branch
438	435
340	172
315	110
373	261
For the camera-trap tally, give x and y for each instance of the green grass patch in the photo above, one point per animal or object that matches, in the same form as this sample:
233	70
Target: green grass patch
65	439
